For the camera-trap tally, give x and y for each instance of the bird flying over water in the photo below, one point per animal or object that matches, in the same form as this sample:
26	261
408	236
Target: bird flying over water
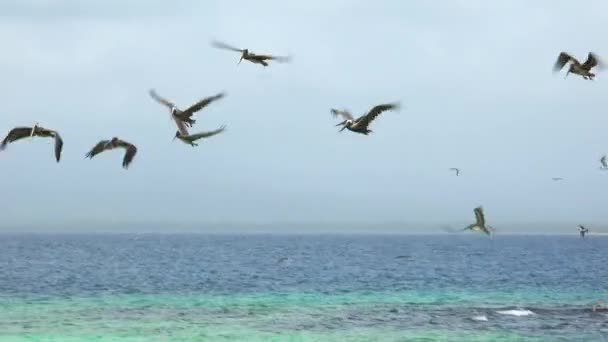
480	222
604	163
182	117
556	179
582	230
576	67
457	170
250	56
360	125
191	138
19	133
107	145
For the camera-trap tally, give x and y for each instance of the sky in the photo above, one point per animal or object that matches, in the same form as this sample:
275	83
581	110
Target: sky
474	79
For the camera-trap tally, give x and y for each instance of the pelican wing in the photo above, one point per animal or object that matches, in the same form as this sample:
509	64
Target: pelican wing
562	59
280	59
224	46
591	61
604	161
15	134
345	114
97	149
130	152
58	146
479	217
456	170
198	106
366	119
196	136
160	99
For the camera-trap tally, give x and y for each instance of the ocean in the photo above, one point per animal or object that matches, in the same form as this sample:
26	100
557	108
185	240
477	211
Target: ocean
453	287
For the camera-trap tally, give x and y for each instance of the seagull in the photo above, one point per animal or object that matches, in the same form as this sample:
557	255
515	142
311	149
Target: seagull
191	138
185	116
455	169
582	230
18	133
575	66
106	145
360	125
480	223
604	163
250	56
557	179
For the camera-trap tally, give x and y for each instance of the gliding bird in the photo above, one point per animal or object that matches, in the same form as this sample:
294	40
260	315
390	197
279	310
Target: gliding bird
480	222
576	67
18	133
191	138
360	125
604	163
107	145
250	56
455	169
185	116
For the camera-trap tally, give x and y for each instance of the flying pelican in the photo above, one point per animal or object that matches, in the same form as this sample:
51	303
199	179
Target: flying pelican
604	163
250	56
360	125
191	138
480	222
455	169
557	179
582	230
575	66
106	145
18	133
185	116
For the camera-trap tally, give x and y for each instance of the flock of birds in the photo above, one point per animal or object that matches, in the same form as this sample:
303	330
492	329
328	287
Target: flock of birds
183	120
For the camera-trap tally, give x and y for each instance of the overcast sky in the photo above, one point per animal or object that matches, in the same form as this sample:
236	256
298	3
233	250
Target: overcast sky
474	79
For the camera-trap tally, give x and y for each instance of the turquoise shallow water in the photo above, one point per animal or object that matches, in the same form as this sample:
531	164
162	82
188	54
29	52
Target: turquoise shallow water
197	288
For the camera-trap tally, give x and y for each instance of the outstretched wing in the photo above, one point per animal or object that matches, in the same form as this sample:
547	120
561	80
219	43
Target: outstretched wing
97	149
161	100
366	119
345	114
456	170
198	106
280	59
58	146
562	59
224	46
15	134
481	220
591	61
130	152
604	161
200	135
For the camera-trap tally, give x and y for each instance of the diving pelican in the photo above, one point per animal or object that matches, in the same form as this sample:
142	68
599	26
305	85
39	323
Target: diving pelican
191	138
360	125
576	67
250	56
457	170
107	145
18	133
604	163
185	116
582	230
480	222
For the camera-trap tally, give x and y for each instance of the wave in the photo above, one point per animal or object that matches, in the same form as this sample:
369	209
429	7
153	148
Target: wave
516	312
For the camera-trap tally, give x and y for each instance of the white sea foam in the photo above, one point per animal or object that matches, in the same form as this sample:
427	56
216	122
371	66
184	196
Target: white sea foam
516	312
481	318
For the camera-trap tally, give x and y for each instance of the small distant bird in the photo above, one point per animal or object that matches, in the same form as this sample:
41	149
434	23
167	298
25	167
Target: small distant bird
107	145
557	179
18	133
480	222
576	67
604	163
455	169
582	230
185	116
360	125
191	138
250	56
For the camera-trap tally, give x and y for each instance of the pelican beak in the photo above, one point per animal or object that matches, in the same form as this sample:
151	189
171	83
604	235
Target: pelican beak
343	128
567	74
341	123
240	60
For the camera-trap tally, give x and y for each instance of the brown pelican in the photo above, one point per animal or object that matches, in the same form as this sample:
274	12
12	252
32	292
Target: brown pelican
582	230
250	56
106	145
18	133
604	163
575	66
185	116
191	138
360	125
557	179
480	222
457	170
